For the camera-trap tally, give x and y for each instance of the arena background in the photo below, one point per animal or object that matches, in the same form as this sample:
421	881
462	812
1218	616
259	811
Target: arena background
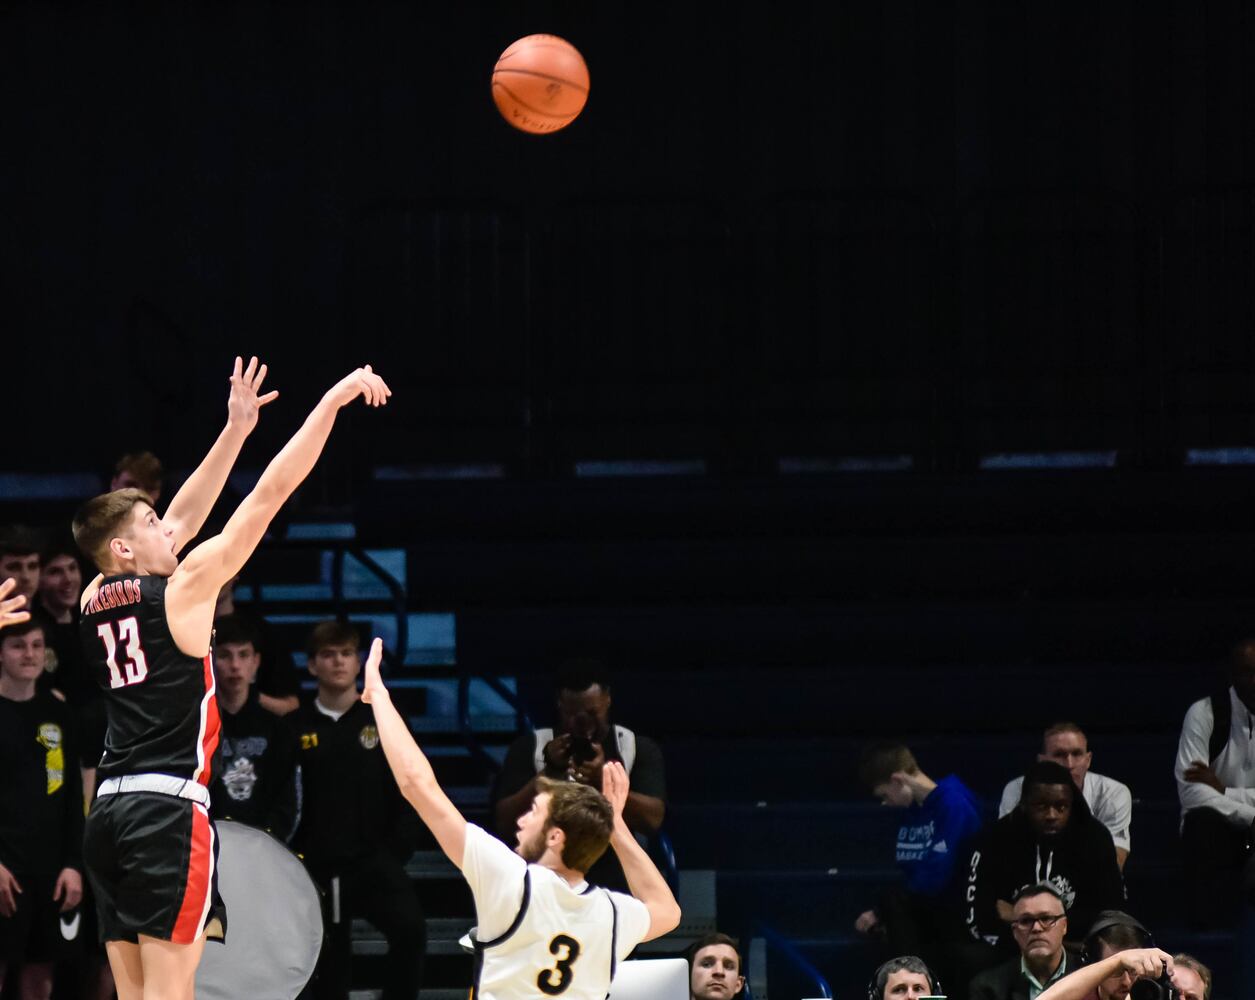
845	369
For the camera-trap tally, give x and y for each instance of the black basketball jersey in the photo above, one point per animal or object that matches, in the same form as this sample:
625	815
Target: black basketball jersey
160	702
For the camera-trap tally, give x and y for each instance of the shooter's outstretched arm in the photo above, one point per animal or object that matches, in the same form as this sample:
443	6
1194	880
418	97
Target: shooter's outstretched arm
410	766
215	561
192	504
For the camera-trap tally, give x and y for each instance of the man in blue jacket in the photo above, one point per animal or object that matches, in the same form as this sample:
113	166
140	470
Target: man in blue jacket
939	825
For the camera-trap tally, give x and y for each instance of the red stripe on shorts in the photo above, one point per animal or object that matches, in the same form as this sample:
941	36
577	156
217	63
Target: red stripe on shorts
213	723
187	927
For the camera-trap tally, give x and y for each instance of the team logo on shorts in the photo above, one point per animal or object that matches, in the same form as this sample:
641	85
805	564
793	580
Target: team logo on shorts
368	737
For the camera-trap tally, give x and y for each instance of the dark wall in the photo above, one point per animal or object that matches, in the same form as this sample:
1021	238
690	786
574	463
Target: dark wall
927	228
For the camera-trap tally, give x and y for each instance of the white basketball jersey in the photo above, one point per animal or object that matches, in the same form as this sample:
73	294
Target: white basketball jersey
540	937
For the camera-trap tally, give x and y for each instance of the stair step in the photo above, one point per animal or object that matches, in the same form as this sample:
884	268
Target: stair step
443	934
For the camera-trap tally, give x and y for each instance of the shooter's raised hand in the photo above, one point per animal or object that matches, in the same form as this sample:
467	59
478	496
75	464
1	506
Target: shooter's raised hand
360	382
373	686
9	613
243	403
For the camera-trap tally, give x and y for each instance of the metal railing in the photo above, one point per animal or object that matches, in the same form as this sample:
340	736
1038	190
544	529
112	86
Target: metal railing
793	954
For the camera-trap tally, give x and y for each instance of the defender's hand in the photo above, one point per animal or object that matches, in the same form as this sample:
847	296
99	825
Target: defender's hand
374	687
9	891
243	403
70	885
614	786
9	613
1202	774
360	382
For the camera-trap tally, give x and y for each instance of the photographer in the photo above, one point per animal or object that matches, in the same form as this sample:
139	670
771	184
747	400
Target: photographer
577	749
1119	953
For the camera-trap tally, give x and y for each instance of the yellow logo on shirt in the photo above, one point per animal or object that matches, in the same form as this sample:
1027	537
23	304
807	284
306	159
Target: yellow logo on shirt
50	738
368	737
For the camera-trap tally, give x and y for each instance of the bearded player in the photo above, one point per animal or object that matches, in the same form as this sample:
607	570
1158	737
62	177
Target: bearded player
147	628
542	929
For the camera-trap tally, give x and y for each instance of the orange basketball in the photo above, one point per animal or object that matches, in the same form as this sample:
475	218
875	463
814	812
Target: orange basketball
540	83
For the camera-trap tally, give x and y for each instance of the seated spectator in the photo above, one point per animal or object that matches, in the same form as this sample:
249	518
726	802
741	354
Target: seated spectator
19	560
903	978
941	822
356	830
1110	801
1050	837
277	687
1191	978
715	968
1118	955
41	819
139	470
1215	774
1039	923
577	749
258	780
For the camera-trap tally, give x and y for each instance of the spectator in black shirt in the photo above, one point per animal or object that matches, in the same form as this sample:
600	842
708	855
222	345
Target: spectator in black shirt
258	780
277	687
1052	837
356	830
577	748
41	818
60	586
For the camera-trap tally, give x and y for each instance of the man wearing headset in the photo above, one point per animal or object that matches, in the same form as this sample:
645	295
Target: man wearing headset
1116	956
903	978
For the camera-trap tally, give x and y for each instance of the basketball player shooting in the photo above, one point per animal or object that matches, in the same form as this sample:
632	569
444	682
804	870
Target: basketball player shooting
542	929
149	845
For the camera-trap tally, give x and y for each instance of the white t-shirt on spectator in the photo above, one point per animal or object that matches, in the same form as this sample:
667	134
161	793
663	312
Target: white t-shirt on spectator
534	927
1109	800
1235	766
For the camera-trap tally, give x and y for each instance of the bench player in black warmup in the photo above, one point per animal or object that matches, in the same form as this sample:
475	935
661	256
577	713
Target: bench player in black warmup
147	628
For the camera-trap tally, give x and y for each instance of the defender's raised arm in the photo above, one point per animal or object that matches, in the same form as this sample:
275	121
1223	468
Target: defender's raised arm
410	766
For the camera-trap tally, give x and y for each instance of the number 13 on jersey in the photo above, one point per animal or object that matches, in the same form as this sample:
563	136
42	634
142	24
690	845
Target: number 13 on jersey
135	669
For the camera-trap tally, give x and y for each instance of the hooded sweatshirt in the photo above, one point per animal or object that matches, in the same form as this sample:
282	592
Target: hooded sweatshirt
936	836
1080	860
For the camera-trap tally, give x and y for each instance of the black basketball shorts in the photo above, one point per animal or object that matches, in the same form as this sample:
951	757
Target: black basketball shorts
153	864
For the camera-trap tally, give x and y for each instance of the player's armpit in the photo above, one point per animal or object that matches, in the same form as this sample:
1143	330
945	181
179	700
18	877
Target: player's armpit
216	560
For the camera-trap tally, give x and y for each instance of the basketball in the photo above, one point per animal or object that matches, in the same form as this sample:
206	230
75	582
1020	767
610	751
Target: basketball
540	83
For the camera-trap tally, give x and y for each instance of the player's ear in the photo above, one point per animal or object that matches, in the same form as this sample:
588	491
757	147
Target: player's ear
120	548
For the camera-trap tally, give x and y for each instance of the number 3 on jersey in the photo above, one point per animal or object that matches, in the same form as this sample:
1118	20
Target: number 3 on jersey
554	982
136	666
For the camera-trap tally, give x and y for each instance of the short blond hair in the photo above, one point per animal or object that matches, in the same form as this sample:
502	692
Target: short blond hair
584	815
102	519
